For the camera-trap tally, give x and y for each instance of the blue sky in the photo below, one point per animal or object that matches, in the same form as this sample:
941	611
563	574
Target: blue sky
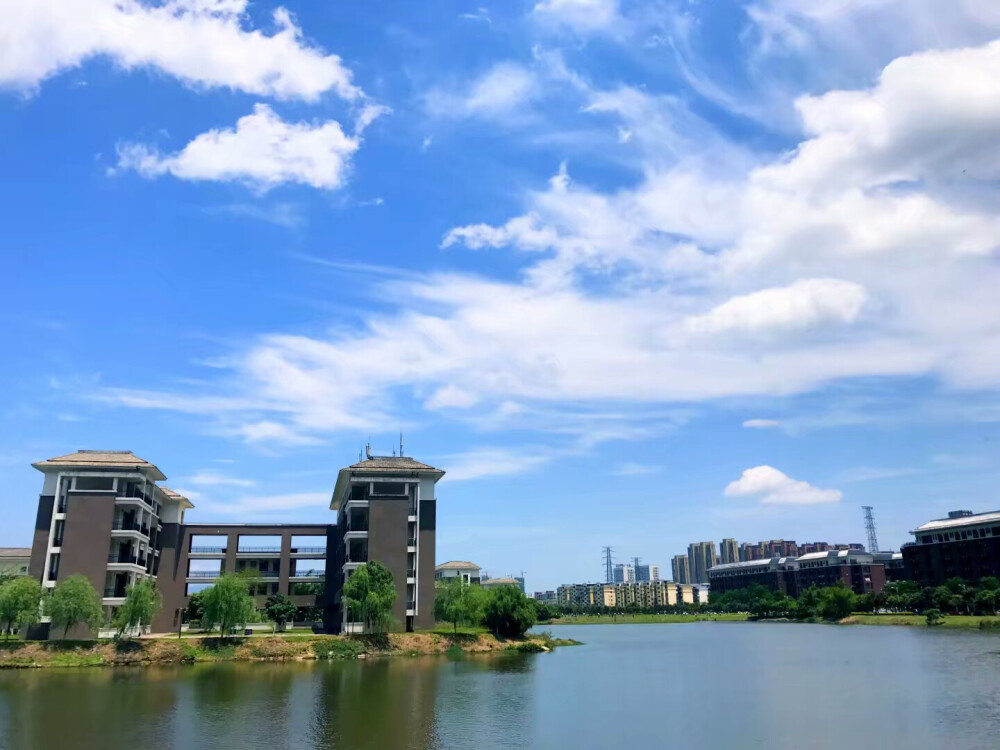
635	274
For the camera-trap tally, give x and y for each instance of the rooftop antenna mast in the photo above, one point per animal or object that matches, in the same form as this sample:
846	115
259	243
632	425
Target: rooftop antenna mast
401	445
870	528
608	567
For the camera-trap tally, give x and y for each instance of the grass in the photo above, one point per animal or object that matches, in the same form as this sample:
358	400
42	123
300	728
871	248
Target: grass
643	619
967	622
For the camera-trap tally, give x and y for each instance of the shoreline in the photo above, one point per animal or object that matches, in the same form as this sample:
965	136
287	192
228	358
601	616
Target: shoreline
169	650
984	623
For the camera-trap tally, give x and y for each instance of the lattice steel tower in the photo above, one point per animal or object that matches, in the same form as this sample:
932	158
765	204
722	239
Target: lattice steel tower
870	528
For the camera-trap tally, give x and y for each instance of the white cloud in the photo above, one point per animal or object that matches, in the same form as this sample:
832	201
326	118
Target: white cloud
207	478
262	151
633	469
805	304
503	90
205	43
492	462
256	504
451	397
761	424
776	488
584	16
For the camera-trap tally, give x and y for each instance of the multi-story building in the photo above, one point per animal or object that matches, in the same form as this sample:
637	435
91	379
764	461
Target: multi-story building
701	557
792	575
750	552
964	545
103	515
895	566
729	551
467	571
680	567
582	594
514	581
775	573
14	561
546	597
654	573
386	511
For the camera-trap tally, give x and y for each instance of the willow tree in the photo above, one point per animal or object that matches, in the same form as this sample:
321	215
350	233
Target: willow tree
369	595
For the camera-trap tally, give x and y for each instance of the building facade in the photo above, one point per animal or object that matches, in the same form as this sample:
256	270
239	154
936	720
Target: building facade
623	573
964	545
774	573
680	567
103	515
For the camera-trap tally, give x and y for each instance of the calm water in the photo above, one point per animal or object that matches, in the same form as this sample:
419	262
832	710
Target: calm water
708	684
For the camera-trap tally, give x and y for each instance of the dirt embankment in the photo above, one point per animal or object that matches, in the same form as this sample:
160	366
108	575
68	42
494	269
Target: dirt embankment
152	651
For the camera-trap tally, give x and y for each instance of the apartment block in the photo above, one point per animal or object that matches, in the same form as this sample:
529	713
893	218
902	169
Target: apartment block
623	573
104	515
14	560
701	557
729	551
681	569
856	569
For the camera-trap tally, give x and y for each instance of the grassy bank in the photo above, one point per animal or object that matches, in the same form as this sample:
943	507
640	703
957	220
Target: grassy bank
156	651
643	619
973	622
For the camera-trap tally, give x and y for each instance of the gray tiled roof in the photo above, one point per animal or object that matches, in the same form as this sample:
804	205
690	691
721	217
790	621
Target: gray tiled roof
392	463
457	565
15	551
99	459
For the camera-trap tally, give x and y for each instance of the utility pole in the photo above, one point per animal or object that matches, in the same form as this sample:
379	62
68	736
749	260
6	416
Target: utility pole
608	567
870	528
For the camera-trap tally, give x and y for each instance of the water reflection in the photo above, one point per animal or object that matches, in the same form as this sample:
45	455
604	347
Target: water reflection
706	685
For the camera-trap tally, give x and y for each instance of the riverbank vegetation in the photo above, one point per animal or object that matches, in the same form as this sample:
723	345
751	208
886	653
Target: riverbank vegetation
172	650
505	611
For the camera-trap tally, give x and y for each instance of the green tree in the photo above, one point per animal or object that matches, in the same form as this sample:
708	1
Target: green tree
836	602
369	595
19	601
196	607
142	603
508	612
227	603
75	601
989	583
933	616
279	609
986	601
808	603
458	602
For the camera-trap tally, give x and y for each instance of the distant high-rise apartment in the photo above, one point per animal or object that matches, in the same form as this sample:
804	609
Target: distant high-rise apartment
654	573
701	556
680	567
729	551
624	573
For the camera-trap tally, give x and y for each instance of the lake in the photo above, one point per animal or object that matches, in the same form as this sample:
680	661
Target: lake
733	685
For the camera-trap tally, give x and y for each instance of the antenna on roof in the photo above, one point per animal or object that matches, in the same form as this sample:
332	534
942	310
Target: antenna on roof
368	451
401	445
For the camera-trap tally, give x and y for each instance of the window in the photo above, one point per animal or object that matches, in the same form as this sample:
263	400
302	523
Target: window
389	488
57	538
359	491
94	483
54	566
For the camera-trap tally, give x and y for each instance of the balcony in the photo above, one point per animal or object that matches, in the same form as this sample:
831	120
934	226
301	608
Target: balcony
272	550
123	560
113	592
130	525
208	550
204	573
308	551
309	573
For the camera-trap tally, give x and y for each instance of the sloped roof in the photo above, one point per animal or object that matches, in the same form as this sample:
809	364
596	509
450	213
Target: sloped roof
502	582
392	463
97	459
15	552
176	496
457	565
947	523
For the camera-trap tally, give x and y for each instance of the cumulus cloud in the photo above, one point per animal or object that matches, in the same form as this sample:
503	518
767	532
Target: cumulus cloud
774	487
204	43
262	151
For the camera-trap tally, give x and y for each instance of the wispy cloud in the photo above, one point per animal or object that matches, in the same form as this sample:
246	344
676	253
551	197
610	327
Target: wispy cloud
631	469
761	424
208	478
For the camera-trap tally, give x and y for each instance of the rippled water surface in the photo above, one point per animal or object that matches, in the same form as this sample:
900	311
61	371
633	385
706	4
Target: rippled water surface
733	685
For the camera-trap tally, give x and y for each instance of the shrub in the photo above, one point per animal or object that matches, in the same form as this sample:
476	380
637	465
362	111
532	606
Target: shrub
933	617
509	613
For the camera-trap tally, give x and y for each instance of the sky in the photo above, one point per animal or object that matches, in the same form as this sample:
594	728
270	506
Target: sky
632	273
